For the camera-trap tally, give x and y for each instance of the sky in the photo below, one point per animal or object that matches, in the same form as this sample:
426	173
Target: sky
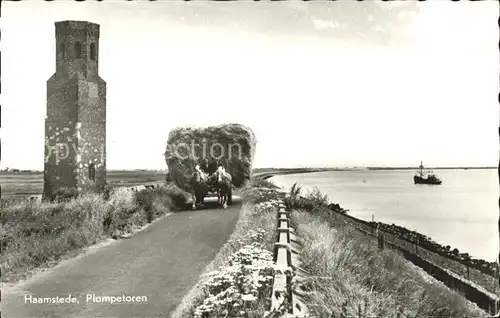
320	84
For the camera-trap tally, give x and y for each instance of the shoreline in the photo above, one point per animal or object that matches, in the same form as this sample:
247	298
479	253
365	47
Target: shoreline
266	173
486	267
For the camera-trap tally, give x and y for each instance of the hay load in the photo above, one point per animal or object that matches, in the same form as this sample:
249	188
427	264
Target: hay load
233	144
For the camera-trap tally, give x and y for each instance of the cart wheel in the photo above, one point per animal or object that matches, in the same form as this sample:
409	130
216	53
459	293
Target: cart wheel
230	197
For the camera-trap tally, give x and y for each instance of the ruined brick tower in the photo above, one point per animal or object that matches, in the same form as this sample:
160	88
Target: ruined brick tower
75	125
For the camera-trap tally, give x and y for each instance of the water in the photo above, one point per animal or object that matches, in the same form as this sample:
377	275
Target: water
462	212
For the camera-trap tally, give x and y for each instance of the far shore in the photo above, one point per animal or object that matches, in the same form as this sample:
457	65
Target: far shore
266	173
261	171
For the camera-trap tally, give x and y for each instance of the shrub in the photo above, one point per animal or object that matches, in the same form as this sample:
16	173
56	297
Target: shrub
311	200
263	183
157	200
120	207
178	196
319	199
269	206
64	194
145	200
258	195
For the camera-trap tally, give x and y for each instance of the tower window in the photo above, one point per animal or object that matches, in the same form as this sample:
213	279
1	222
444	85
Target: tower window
78	50
92	172
92	51
62	49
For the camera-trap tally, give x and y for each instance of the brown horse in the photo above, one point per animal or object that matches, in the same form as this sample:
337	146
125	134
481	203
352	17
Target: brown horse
199	187
223	185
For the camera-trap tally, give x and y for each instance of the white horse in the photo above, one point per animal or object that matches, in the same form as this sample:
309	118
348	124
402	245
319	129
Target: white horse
223	186
200	188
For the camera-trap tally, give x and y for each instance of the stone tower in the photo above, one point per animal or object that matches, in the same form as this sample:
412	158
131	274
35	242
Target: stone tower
75	124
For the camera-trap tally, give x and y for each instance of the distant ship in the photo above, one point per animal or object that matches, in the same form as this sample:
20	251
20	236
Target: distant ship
421	179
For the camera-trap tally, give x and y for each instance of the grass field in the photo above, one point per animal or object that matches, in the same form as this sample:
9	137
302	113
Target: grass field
19	185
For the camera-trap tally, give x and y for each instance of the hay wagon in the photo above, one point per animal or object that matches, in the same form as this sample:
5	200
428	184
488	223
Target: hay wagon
232	143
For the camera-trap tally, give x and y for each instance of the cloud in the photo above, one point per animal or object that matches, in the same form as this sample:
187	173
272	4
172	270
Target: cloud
323	25
372	21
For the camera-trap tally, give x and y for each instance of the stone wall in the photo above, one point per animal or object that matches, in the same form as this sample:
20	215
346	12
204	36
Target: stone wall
60	141
91	151
92	133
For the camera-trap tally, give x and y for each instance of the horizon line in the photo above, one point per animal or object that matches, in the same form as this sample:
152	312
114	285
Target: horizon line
294	168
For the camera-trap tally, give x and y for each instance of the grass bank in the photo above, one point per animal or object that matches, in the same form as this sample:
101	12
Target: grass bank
238	282
350	277
39	234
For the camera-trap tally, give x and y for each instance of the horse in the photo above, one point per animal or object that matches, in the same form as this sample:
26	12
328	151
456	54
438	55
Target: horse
199	186
223	185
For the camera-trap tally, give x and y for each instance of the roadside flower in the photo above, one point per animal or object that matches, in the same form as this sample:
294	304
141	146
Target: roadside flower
246	276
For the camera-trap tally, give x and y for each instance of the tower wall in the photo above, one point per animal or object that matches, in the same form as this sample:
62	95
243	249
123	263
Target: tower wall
75	125
92	144
60	143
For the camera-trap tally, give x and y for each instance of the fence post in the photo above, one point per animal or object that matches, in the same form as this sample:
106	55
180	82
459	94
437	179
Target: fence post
373	222
380	240
496	280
